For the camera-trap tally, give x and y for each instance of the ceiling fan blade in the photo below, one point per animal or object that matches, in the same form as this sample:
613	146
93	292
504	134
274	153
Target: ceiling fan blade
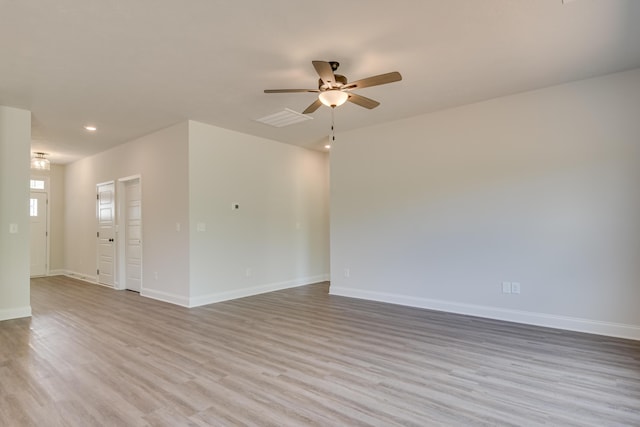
363	101
289	90
381	79
324	70
313	107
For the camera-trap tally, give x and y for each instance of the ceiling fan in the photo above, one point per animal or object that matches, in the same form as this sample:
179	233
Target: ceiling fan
334	90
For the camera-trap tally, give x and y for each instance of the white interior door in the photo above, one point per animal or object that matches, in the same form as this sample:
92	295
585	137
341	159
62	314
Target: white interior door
133	248
38	233
106	233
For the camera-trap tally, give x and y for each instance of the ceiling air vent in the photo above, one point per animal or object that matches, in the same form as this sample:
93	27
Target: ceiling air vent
284	118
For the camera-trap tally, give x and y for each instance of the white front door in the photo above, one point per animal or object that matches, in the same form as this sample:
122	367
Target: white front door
106	233
133	248
38	234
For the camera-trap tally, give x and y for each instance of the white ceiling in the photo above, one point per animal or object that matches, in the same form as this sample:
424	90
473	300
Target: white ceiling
132	67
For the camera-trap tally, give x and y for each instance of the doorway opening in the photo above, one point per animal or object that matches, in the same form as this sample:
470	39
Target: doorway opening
39	226
130	241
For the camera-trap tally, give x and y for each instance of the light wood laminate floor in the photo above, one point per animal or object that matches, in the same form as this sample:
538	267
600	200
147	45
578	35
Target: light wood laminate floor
96	356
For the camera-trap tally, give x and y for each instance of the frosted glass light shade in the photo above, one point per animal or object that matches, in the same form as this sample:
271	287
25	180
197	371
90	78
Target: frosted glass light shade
40	162
333	98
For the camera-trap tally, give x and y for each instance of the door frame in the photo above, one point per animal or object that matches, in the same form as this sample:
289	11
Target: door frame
121	247
47	192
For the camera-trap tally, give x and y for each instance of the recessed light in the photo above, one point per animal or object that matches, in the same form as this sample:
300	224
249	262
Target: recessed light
91	128
327	146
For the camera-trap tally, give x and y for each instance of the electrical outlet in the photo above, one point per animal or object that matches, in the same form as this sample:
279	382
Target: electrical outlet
248	272
347	272
506	287
515	287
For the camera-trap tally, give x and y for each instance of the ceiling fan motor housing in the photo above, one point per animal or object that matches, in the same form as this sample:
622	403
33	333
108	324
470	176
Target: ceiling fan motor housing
340	81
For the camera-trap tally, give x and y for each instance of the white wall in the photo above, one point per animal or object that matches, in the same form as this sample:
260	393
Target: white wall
192	173
15	141
161	159
277	238
539	188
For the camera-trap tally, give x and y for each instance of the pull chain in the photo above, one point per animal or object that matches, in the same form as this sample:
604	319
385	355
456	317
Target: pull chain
333	132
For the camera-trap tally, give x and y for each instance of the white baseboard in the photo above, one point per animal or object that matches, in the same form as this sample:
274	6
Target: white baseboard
80	276
149	293
58	273
526	317
255	290
165	296
211	298
15	313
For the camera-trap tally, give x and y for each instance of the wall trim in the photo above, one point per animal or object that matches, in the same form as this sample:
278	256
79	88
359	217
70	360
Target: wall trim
83	277
57	273
165	296
149	293
255	290
88	279
15	313
206	299
597	327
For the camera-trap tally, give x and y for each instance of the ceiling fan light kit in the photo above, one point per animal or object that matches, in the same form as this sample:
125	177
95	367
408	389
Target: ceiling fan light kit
334	89
333	97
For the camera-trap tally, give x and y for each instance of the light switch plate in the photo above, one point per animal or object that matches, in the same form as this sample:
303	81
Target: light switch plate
515	287
506	287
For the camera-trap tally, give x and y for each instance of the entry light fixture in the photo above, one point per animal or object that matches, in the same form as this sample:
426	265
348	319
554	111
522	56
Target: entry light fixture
40	162
90	128
333	97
